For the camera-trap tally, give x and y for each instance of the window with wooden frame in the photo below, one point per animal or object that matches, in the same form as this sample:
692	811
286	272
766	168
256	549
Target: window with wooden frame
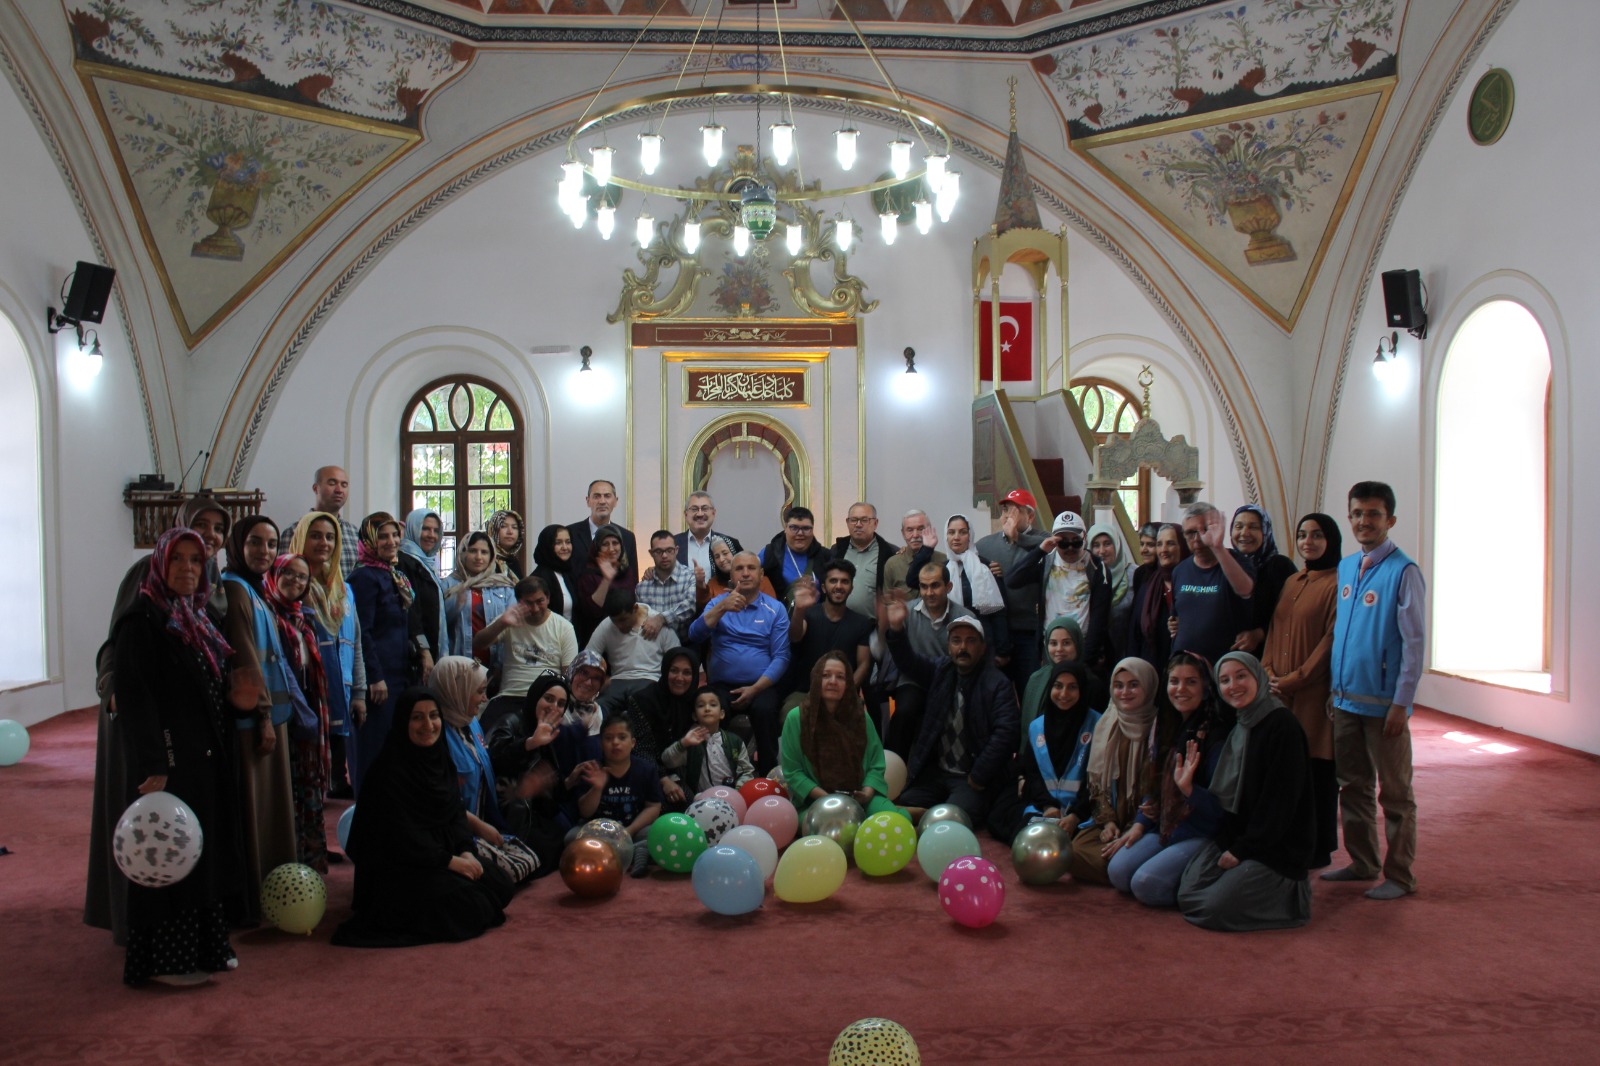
1111	411
461	457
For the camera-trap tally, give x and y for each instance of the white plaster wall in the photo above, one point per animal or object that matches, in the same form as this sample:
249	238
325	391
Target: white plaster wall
93	433
1524	205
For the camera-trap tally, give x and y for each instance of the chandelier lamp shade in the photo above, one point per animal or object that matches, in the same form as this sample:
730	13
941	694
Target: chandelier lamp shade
750	199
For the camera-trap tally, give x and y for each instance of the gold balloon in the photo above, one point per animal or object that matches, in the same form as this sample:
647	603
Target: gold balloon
835	817
1041	852
943	812
591	868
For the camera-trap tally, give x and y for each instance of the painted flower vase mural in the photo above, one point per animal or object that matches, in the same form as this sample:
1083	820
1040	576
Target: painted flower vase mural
1246	174
234	194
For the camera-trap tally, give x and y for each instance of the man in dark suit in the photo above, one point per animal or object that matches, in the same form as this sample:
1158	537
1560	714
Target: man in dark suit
602	501
694	543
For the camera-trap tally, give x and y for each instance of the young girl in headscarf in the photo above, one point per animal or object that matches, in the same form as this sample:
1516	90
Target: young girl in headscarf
475	594
286	585
1119	777
506	530
1053	757
1254	875
1105	543
1298	650
552	561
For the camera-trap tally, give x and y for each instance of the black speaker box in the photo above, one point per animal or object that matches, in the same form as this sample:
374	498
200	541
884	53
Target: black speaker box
1402	300
91	289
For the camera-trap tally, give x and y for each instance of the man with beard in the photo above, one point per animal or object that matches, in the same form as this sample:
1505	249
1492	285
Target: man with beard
820	622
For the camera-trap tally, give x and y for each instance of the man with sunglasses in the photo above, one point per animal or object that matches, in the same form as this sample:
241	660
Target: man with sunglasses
1072	583
1210	589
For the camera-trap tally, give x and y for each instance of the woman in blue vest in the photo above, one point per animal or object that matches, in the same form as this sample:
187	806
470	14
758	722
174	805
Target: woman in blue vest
383	603
1053	758
251	628
475	594
331	608
1172	829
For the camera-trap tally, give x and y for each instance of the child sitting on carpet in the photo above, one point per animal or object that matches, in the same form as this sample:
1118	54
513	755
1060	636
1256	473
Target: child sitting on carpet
710	755
622	788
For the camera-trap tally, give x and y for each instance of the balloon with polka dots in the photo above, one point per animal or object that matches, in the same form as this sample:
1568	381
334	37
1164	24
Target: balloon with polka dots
874	1042
294	898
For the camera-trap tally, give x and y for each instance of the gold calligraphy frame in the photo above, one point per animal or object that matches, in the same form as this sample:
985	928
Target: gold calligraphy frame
805	385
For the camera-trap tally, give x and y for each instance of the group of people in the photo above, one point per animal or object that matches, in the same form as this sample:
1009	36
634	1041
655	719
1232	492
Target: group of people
1193	720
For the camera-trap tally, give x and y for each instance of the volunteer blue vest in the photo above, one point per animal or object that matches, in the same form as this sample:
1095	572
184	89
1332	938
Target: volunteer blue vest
340	649
474	776
269	651
1366	635
1064	789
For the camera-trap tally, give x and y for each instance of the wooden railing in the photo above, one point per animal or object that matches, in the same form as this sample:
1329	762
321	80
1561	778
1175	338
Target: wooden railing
156	512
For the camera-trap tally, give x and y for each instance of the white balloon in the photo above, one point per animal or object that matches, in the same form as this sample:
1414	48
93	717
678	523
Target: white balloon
714	816
894	773
158	840
758	844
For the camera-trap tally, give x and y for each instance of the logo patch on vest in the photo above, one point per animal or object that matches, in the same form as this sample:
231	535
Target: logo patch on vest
1085	738
1344	593
1369	598
1039	741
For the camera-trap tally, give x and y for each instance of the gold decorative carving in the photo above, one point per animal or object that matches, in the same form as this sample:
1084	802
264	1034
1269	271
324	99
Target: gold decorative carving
1115	461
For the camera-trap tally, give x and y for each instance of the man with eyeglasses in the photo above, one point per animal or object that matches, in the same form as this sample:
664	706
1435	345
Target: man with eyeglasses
865	550
1072	584
793	553
1210	589
694	543
667	588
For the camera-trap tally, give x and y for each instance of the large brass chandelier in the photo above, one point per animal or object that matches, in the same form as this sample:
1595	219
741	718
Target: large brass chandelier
748	203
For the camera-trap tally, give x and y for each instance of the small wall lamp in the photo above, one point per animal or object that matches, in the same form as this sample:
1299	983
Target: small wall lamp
911	359
585	353
1383	363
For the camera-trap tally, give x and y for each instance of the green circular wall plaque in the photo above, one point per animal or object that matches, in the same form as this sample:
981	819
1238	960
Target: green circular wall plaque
1489	112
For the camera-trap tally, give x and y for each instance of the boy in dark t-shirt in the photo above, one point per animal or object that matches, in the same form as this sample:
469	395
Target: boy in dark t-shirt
622	788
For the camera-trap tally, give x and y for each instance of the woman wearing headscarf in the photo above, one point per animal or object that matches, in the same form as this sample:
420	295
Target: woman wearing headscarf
1173	829
1252	537
475	594
506	531
259	663
330	606
532	753
972	583
1298	650
1147	544
105	902
172	732
1063	642
1254	875
552	560
1105	544
286	584
1149	637
418	880
664	712
1119	770
383	603
720	579
1052	758
830	745
607	569
419	561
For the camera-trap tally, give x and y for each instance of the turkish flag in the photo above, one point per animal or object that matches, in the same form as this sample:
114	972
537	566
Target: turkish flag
1016	341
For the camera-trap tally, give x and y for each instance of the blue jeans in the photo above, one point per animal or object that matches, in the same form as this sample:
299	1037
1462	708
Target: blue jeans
1151	872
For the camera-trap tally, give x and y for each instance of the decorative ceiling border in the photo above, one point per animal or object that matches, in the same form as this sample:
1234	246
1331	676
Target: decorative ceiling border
900	40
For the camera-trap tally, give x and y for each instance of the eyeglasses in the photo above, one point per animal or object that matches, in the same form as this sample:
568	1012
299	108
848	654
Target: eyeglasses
860	521
697	510
671	549
1071	543
799	529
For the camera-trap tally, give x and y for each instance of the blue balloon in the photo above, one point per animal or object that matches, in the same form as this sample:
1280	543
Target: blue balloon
728	880
13	742
343	831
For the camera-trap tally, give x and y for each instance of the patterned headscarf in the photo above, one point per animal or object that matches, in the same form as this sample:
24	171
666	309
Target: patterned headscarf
326	594
367	554
455	680
503	556
1269	546
186	615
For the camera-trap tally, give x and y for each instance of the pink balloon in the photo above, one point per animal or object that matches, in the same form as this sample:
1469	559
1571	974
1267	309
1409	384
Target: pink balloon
731	795
972	892
777	816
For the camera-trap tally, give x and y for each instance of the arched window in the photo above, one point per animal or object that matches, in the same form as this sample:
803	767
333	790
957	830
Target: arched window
22	653
461	455
1490	588
1110	411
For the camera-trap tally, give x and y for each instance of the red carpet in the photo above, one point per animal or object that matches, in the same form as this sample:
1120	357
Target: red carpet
1496	959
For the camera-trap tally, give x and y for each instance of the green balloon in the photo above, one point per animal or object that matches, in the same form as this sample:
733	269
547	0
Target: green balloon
942	844
884	844
675	842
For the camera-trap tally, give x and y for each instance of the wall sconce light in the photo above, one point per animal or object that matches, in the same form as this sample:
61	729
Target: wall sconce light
911	360
84	295
585	353
1383	367
93	359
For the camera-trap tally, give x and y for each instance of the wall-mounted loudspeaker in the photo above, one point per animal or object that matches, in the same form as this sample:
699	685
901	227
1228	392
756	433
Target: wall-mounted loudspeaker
1402	302
89	293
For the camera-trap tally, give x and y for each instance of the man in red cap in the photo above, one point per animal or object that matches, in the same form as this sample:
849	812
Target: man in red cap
1005	550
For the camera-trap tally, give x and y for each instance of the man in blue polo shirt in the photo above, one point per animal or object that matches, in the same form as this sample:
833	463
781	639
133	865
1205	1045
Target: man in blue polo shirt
749	635
1378	630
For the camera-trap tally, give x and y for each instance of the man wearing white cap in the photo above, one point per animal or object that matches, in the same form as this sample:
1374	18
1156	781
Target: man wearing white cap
1072	582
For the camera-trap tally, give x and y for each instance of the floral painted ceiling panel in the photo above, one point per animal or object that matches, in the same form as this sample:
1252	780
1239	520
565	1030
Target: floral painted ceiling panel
1218	58
302	51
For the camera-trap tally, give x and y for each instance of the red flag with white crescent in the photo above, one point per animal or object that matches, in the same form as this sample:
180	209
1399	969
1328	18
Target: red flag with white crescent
1016	341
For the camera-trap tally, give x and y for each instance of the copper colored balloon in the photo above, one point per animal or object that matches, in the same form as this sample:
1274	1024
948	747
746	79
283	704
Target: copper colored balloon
1041	852
590	867
612	832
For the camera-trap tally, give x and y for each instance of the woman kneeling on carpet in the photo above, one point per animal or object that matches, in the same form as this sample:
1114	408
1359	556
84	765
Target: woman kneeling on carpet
418	880
1254	874
1120	777
829	744
1052	759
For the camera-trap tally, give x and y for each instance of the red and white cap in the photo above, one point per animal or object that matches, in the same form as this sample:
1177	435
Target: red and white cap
1022	498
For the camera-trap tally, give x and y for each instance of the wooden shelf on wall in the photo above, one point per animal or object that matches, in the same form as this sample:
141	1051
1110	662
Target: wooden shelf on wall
155	512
